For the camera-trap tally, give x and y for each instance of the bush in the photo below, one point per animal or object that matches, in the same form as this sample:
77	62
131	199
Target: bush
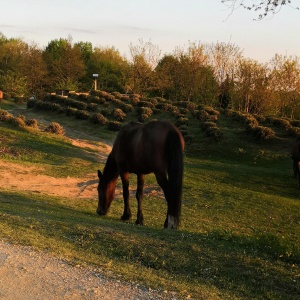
99	119
145	104
250	122
118	114
295	131
144	111
295	123
211	111
202	115
32	123
4	115
167	107
182	121
82	115
92	107
143	118
263	133
97	99
114	125
55	128
71	112
17	121
214	132
31	103
282	123
206	125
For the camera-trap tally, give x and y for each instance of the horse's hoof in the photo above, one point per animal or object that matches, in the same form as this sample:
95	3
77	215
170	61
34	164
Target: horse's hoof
139	222
171	222
126	217
100	212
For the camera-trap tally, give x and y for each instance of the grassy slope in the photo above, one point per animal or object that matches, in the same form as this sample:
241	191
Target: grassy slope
240	232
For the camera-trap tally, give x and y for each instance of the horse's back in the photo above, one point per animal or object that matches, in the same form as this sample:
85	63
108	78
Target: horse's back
140	148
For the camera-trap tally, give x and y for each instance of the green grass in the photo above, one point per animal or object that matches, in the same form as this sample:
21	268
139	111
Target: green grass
240	231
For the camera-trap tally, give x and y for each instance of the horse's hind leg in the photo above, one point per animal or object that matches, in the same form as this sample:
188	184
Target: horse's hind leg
139	198
125	183
164	184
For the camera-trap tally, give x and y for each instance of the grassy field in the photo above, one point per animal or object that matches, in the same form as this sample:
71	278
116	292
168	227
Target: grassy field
240	231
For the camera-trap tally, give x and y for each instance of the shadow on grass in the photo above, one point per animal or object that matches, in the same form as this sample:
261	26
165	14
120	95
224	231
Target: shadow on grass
249	267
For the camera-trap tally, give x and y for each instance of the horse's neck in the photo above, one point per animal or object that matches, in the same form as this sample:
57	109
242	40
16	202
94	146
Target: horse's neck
110	172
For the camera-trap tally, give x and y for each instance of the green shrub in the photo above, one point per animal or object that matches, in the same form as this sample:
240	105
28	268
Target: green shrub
182	121
118	114
282	123
71	112
114	125
82	115
97	99
83	96
4	115
143	118
31	103
202	115
250	122
144	111
263	133
211	111
167	107
214	132
294	131
17	121
206	125
32	123
92	107
55	128
145	104
295	123
99	119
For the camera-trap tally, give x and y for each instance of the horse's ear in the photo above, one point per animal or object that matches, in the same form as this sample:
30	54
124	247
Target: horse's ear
99	174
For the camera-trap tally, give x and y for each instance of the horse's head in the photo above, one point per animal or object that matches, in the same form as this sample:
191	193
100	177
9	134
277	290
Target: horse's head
106	193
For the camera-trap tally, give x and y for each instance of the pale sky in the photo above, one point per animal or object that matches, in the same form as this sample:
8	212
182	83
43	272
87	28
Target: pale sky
166	23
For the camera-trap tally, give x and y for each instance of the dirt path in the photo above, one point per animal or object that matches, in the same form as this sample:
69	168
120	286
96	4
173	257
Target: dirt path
28	275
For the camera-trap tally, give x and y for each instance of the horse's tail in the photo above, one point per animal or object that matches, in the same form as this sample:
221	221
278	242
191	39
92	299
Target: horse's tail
174	154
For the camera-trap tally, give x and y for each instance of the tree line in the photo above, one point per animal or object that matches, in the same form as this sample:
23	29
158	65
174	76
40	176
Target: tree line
215	74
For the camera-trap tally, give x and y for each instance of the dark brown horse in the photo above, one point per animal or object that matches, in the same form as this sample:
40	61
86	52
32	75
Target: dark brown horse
295	155
156	147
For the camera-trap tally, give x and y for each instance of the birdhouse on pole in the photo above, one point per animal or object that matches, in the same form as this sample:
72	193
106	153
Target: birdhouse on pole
95	76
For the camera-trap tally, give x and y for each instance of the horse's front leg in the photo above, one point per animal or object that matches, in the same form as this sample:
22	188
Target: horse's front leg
139	198
125	183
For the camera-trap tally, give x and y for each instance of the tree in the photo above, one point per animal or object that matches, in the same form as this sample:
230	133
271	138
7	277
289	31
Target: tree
12	76
144	58
111	67
65	64
285	82
223	58
35	71
266	6
186	75
252	87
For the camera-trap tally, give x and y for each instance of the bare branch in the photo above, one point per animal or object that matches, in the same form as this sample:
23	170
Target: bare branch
266	7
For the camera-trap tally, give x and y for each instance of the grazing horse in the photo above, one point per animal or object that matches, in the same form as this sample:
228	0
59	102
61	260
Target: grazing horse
155	147
295	155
